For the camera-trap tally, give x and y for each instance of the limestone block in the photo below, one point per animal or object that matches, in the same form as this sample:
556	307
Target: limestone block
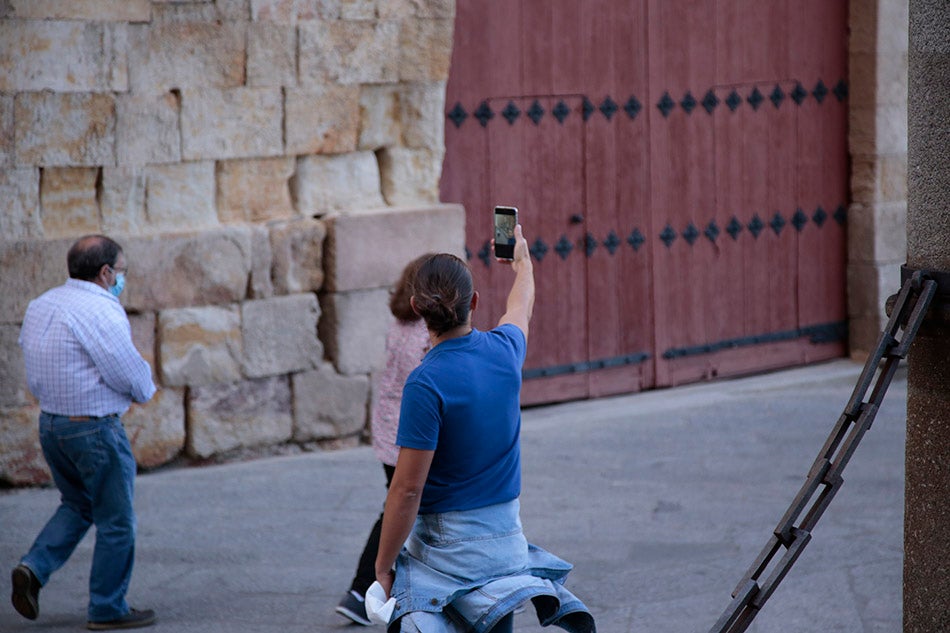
284	11
122	201
147	129
30	268
243	414
186	54
322	120
76	130
180	195
92	10
261	286
199	346
348	52
7	133
68	204
14	391
61	55
416	8
313	9
328	405
20	193
280	335
143	337
297	251
255	190
877	78
271	54
410	176
183	270
425	49
369	250
156	429
357	9
21	460
379	116
422	114
345	182
233	123
353	329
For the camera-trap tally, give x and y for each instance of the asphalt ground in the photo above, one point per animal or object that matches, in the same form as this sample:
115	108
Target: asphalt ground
661	500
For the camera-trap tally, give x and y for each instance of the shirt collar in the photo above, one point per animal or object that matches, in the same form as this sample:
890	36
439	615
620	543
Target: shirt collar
89	286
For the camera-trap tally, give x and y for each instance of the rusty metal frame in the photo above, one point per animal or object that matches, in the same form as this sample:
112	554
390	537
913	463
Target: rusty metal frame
824	478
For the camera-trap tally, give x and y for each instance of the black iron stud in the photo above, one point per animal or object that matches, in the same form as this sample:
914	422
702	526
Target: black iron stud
755	99
691	234
668	235
688	103
820	91
777	96
799	220
840	215
484	253
733	101
587	109
561	111
468	254
539	249
819	216
841	90
711	231
511	113
636	239
799	94
608	108
612	242
484	114
590	245
710	102
535	112
457	115
563	247
632	107
756	226
665	104
734	228
777	223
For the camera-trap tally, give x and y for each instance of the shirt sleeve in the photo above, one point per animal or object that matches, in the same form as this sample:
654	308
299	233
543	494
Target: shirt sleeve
515	337
420	418
119	362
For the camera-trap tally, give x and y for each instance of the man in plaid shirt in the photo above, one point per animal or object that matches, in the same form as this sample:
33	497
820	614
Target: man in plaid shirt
83	368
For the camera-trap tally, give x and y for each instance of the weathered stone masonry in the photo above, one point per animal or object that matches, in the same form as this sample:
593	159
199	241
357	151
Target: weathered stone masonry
268	165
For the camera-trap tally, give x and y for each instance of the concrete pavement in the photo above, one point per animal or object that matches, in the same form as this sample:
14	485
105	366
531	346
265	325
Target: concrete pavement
660	499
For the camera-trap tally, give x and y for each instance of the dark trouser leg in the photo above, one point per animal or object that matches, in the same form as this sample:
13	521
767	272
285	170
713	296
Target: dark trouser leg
366	568
505	625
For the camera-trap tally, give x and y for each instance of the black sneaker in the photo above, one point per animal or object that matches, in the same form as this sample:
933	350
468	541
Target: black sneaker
353	606
26	592
132	620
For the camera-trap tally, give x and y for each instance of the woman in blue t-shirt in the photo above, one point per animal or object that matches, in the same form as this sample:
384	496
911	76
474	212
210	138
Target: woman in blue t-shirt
451	524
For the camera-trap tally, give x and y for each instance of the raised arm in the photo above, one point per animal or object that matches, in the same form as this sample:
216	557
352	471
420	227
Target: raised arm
521	297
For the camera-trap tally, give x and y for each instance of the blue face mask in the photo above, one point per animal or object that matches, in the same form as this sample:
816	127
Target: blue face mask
116	290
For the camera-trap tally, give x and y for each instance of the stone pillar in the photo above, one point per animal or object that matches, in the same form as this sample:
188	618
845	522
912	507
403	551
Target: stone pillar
927	488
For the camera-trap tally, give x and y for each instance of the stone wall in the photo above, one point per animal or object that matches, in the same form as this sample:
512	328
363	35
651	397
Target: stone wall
877	217
269	166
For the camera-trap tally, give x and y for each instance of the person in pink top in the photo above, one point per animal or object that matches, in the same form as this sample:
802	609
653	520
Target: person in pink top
406	343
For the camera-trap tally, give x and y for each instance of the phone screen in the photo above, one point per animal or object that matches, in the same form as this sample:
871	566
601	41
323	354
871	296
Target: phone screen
505	220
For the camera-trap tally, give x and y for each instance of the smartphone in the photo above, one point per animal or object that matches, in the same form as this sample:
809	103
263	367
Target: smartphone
506	218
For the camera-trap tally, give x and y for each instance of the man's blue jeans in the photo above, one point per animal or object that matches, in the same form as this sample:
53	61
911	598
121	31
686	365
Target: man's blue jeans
93	467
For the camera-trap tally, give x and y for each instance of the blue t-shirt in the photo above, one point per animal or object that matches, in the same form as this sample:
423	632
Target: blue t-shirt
463	402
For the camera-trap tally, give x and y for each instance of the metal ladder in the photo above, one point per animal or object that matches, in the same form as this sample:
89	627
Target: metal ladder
824	478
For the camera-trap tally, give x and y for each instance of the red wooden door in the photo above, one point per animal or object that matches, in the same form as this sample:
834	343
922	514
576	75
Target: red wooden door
681	170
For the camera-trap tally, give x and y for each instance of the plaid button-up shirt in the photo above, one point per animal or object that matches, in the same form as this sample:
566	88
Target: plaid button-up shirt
78	351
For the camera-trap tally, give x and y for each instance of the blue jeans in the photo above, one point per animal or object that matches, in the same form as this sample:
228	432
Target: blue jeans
93	467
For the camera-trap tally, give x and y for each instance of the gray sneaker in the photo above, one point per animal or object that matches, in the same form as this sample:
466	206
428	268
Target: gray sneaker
353	606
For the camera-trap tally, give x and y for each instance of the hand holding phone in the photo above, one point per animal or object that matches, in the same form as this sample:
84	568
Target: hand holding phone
506	219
